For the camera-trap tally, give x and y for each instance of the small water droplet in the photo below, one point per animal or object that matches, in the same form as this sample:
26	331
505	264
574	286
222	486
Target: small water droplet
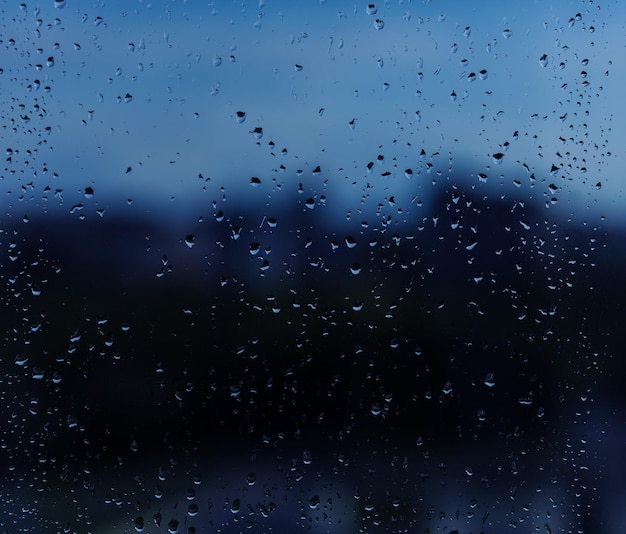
490	380
139	524
255	248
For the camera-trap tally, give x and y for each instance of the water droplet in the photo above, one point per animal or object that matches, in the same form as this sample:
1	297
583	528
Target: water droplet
235	506
258	132
217	61
59	4
371	9
376	409
453	96
355	269
543	60
255	182
310	203
379	24
471	76
497	157
483	74
172	526
139	523
467	31
190	240
254	248
350	241
240	116
192	510
38	373
490	380
314	502
507	33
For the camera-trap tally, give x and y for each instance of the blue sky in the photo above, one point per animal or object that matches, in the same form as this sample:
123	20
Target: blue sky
191	66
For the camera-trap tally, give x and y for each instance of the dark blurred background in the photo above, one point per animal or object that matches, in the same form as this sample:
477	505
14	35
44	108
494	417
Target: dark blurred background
491	370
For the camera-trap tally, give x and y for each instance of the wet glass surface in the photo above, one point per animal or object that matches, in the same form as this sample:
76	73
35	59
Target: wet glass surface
329	266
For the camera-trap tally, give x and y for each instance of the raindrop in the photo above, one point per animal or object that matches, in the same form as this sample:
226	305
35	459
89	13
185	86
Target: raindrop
350	242
490	380
467	31
217	61
59	4
497	157
371	9
235	506
258	132
255	182
379	24
507	33
483	74
471	77
240	116
190	240
314	502
310	203
192	510
543	60
254	248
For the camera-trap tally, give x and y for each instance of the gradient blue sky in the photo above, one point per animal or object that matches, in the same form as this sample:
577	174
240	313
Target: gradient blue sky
181	120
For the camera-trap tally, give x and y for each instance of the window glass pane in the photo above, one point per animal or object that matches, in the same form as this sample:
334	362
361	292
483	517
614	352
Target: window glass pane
337	266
